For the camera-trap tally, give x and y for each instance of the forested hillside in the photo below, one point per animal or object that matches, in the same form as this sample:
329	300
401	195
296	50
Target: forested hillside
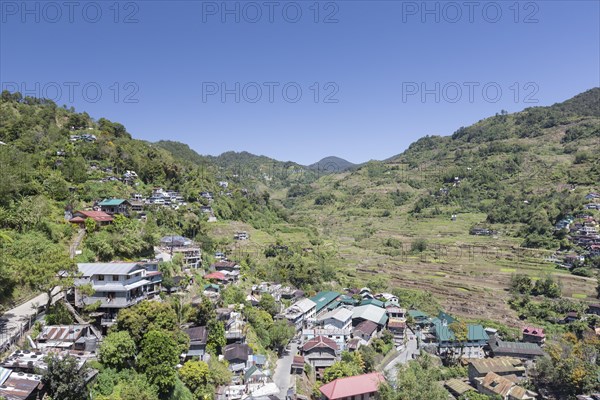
56	160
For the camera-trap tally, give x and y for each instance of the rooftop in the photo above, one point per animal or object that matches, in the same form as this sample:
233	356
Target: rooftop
532	331
197	334
516	348
112	268
417	314
501	365
497	384
320	342
366	327
458	387
63	333
443	333
99	216
111	202
301	306
370	313
236	352
375	302
352	386
215	275
322	299
340	314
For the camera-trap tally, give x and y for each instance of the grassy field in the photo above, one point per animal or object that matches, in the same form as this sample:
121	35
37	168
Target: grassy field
468	274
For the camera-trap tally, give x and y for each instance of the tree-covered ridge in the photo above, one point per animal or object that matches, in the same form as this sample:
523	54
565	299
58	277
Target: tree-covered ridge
55	160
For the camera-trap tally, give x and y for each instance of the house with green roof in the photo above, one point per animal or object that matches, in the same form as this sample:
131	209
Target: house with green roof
447	343
211	287
255	375
374	302
324	299
420	318
348	300
115	206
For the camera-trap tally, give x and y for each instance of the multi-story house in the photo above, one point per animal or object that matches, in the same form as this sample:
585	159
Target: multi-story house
301	313
115	206
320	352
447	342
340	318
117	285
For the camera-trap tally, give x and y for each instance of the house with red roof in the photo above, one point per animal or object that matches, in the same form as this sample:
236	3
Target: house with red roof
320	352
534	335
100	217
218	277
360	387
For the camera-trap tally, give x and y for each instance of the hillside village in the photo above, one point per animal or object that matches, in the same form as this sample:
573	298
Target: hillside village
161	293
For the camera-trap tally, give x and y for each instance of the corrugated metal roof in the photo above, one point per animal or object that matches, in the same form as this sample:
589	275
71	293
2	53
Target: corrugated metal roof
341	314
322	299
111	202
4	374
121	268
457	386
352	386
497	384
62	332
20	385
304	305
370	313
501	365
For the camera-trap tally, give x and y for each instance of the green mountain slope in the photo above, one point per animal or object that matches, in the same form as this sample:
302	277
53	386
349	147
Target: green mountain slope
515	174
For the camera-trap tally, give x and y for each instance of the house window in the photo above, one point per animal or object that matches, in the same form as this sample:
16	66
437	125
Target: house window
115	277
100	277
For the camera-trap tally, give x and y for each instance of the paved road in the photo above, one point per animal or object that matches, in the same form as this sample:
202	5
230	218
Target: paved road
11	321
282	375
406	354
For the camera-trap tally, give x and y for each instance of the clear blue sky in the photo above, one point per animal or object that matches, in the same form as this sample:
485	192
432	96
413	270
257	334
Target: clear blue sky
376	56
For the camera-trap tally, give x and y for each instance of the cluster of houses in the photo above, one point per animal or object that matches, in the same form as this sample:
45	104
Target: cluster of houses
593	201
583	232
83	137
221	274
247	367
190	253
331	322
20	377
436	336
499	376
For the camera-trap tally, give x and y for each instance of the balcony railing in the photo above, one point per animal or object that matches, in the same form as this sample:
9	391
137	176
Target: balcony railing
116	302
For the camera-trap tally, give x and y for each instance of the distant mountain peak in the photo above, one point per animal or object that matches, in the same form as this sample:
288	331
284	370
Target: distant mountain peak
332	164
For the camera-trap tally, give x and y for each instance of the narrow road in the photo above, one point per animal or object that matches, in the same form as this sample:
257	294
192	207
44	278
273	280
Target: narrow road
12	320
282	375
77	242
406	354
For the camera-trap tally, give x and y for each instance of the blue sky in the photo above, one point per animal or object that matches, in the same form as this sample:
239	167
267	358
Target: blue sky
374	76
